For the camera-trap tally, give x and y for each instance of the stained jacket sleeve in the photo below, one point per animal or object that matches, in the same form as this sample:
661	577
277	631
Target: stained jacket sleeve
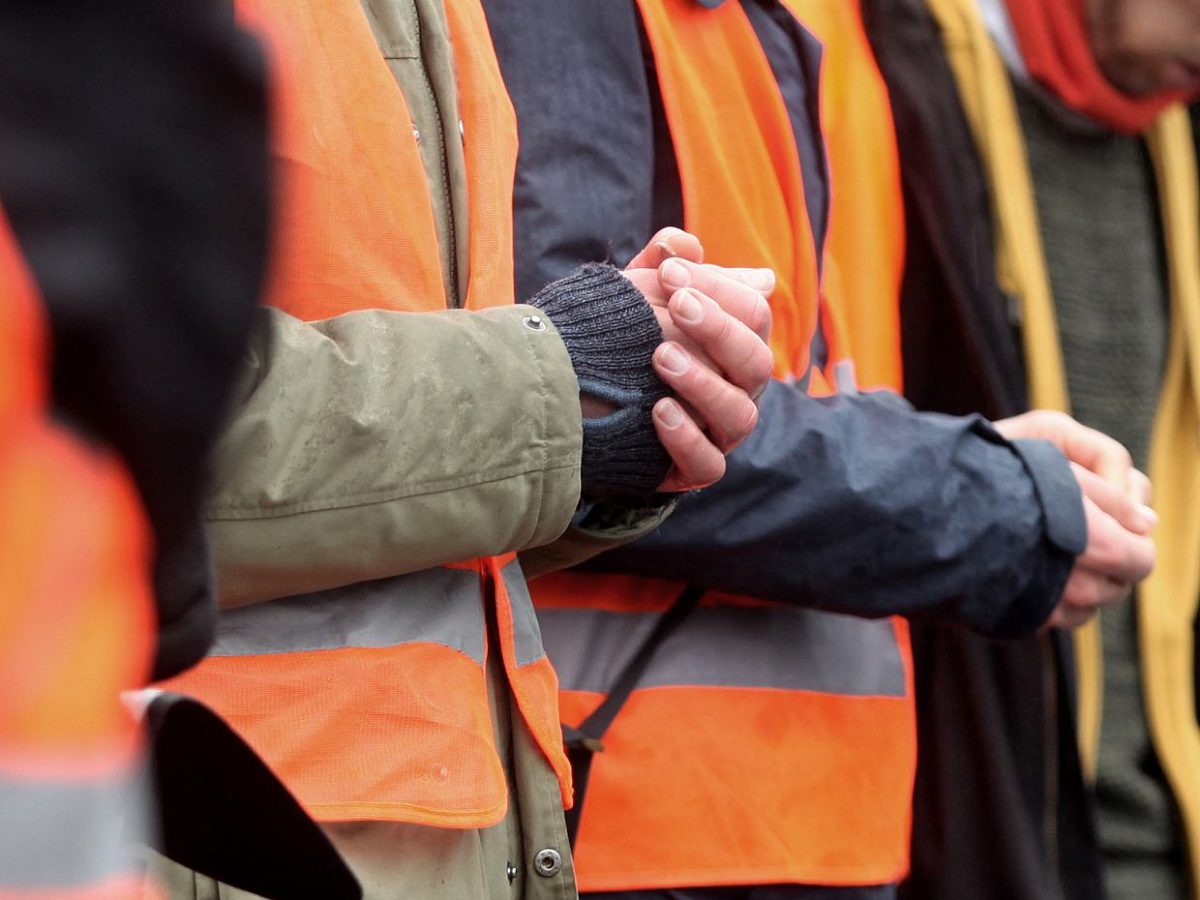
857	504
378	443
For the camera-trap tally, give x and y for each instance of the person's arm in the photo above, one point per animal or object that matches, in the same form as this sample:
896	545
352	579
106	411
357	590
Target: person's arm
378	443
857	504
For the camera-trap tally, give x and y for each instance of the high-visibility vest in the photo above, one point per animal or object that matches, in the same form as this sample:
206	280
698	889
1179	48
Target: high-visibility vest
370	701
76	620
766	743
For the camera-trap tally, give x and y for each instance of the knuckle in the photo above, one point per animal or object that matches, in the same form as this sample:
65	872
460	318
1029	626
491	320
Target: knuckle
763	366
713	470
1082	591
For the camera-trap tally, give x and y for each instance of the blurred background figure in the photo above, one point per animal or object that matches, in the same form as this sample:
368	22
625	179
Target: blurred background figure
134	190
1051	189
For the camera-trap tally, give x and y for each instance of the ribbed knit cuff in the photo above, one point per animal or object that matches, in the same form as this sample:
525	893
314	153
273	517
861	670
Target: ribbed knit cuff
611	333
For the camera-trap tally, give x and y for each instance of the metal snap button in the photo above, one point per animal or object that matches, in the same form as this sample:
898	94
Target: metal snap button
534	323
547	863
511	871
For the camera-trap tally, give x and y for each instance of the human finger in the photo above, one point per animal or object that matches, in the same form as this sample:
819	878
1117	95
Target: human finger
666	244
762	280
697	461
733	295
725	411
1140	487
1112	551
1069	617
740	353
1092	449
1116	501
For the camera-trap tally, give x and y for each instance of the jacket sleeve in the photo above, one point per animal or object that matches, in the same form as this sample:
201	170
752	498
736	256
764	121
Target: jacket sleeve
378	443
857	504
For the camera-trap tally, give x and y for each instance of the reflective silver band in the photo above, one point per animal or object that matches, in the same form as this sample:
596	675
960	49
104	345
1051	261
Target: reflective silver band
526	634
440	606
70	834
844	377
747	647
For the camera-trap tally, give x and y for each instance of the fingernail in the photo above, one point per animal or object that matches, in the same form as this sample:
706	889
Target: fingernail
669	413
664	249
761	280
675	274
688	306
673	359
1147	515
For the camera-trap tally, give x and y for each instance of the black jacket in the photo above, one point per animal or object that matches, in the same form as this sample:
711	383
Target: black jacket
1000	808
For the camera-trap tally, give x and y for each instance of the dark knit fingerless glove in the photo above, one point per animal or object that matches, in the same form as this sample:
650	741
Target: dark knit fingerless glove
611	332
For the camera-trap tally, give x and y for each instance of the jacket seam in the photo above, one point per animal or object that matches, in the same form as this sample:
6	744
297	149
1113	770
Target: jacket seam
380	497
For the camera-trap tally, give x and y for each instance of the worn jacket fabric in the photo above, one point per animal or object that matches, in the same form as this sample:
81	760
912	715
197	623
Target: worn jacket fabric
375	444
287	516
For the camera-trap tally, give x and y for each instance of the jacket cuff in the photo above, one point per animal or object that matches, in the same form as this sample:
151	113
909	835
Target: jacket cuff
1065	537
1062	502
596	529
611	333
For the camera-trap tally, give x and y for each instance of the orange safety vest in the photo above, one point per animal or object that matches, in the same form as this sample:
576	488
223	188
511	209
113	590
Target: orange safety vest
766	743
76	620
370	702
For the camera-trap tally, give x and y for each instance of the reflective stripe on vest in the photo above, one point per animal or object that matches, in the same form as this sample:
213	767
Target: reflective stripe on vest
370	700
590	646
61	836
75	630
765	744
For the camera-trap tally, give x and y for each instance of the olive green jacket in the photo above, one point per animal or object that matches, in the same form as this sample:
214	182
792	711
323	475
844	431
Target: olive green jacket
379	443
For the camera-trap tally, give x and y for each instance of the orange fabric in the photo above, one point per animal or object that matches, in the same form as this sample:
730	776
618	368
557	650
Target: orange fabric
752	785
852	831
403	733
864	253
75	553
76	625
756	178
355	223
413	718
124	887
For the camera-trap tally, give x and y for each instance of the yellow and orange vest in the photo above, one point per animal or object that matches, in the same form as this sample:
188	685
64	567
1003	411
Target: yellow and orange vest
370	701
766	743
76	630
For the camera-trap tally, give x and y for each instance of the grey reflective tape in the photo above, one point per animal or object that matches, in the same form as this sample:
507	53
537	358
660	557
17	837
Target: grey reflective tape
844	377
526	635
440	606
766	647
70	834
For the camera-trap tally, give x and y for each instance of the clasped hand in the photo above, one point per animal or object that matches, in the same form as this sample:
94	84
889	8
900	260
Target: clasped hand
714	356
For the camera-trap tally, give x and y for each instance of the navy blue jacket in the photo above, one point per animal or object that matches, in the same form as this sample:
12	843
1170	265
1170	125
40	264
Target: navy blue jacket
855	504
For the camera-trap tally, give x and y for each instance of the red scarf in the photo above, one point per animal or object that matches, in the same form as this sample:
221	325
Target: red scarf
1053	38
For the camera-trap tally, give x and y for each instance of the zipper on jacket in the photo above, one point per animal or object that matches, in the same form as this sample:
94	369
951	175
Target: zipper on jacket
451	250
